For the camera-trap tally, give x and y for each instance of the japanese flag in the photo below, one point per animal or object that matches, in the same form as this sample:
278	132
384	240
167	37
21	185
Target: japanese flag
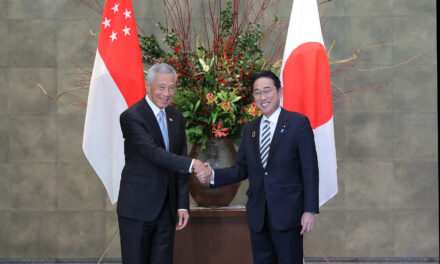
306	80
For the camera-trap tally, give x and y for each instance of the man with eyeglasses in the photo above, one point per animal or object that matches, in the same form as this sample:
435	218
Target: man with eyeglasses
277	154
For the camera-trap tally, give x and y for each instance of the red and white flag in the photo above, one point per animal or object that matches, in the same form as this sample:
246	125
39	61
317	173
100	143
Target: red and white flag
117	83
306	80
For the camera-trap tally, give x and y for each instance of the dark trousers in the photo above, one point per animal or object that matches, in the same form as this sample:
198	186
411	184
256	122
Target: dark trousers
147	242
271	247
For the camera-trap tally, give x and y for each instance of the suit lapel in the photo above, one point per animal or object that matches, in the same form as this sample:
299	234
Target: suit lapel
255	140
280	130
151	122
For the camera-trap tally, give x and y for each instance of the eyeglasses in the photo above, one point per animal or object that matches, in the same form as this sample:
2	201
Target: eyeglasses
261	92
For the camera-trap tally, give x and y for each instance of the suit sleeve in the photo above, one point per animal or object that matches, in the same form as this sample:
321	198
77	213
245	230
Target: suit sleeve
135	134
309	167
236	173
182	178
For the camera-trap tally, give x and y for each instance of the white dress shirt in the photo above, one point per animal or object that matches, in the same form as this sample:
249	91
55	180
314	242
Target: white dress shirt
273	119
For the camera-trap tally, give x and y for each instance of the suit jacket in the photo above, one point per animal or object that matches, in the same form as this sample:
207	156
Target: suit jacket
151	172
289	184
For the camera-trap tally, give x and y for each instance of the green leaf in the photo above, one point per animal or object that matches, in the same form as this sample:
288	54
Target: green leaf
197	106
214	115
203	119
236	99
187	114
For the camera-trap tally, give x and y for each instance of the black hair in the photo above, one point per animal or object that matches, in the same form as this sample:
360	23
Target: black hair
267	74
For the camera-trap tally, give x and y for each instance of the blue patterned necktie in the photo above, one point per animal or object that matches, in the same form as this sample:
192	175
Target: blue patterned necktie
163	128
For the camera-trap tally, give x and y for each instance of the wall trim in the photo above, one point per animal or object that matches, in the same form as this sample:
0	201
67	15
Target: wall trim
308	259
388	259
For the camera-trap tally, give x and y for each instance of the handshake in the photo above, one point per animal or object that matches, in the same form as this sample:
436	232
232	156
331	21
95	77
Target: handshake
202	170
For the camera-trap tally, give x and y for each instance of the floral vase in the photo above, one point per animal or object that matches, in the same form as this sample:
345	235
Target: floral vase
219	153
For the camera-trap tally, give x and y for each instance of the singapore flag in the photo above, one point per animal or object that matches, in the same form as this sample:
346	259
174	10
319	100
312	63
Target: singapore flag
117	83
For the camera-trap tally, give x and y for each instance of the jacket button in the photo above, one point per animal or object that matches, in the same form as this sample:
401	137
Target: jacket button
265	173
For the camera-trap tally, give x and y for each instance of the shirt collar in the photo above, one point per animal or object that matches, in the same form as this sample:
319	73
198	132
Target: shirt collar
154	107
273	118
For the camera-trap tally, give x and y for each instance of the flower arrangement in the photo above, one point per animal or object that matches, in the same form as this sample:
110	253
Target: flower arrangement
213	90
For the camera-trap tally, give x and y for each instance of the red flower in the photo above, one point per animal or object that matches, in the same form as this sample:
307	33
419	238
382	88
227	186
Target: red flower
218	131
210	97
178	48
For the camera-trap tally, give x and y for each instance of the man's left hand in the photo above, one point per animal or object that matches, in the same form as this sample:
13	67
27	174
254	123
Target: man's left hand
307	222
182	220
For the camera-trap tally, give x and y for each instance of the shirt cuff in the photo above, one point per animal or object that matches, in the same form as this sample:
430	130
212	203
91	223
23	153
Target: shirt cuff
213	177
181	209
190	170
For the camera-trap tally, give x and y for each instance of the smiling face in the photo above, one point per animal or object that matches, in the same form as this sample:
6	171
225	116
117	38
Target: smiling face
161	92
267	97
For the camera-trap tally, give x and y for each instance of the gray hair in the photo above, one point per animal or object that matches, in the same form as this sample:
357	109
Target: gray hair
162	68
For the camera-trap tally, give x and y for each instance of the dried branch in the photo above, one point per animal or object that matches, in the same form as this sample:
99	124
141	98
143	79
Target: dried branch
93	5
391	66
58	95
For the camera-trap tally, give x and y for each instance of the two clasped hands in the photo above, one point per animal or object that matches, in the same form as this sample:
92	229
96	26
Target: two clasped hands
202	170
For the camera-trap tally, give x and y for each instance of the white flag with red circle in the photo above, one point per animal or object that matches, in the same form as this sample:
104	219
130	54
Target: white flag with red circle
305	75
117	83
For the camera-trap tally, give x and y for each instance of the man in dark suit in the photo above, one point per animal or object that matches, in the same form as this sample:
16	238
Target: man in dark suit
153	197
277	153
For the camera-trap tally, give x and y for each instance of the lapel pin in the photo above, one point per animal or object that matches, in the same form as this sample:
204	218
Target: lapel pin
171	120
253	134
283	129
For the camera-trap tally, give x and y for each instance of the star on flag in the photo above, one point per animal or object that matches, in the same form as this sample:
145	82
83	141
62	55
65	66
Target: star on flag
113	35
106	22
126	31
127	14
115	8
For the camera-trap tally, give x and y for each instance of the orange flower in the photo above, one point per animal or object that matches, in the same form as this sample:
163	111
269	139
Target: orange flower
218	131
243	121
226	106
253	109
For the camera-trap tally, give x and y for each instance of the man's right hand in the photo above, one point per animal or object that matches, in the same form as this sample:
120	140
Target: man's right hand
203	171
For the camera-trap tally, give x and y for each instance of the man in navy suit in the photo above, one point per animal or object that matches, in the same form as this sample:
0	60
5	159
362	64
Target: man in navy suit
153	197
277	153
